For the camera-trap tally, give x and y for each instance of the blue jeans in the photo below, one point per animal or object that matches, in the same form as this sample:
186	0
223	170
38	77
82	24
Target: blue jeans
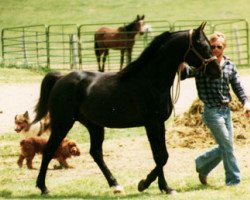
219	121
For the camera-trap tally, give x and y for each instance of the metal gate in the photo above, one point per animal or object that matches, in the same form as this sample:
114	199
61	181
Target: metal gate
24	46
68	46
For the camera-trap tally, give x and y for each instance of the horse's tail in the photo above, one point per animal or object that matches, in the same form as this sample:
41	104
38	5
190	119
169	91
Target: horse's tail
41	108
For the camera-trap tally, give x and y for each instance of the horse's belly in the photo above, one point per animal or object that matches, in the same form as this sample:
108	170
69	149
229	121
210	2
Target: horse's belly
116	116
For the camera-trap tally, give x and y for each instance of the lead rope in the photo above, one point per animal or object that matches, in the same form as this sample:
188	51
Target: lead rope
175	94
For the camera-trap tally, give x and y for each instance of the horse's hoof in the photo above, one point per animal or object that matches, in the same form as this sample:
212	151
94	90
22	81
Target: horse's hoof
141	186
170	191
45	192
118	189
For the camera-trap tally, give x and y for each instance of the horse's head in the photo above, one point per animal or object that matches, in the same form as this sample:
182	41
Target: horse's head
199	53
139	24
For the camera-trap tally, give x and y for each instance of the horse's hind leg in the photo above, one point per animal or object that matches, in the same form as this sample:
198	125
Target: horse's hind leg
129	55
156	135
96	140
59	130
106	52
98	54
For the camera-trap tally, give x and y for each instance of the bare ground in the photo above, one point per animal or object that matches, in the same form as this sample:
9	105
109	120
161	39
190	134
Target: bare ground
17	98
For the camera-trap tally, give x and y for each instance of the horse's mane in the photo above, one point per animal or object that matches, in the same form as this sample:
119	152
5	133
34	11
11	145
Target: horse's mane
129	27
150	51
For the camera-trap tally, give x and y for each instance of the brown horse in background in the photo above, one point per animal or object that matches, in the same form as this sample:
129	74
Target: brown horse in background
122	38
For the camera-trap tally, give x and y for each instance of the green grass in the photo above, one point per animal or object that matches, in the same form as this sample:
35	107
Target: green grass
87	182
31	12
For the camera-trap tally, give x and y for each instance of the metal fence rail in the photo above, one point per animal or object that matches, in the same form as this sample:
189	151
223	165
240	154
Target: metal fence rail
24	45
68	46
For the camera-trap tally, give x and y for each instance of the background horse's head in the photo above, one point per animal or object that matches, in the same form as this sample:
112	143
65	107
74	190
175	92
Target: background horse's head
137	25
199	53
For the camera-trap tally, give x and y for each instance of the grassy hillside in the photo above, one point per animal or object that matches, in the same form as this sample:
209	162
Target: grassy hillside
31	12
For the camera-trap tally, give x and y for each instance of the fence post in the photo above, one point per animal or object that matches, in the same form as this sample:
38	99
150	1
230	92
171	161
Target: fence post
79	47
2	40
236	36
75	49
47	46
24	48
247	32
37	50
71	54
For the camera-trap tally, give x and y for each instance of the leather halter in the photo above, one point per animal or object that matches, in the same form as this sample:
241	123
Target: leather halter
205	62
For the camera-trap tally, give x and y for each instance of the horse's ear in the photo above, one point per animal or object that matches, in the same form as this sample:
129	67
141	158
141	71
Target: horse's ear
202	26
138	17
142	17
199	30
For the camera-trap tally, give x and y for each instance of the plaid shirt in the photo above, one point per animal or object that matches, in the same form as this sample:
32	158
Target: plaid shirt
216	93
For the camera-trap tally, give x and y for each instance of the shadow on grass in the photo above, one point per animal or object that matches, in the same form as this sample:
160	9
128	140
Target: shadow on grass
78	196
107	196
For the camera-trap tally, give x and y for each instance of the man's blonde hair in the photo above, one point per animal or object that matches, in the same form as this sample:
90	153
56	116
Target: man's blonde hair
218	36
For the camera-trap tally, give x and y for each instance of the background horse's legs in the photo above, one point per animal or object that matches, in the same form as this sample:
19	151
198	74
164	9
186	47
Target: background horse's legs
96	140
58	131
122	58
98	54
129	55
106	52
156	135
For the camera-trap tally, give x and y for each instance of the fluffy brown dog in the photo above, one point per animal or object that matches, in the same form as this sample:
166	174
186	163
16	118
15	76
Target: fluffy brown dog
24	126
35	145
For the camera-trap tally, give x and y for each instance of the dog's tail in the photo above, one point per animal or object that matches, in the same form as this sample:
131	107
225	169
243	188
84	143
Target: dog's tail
41	108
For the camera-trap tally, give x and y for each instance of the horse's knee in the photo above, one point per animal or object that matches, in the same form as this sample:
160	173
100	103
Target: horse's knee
162	159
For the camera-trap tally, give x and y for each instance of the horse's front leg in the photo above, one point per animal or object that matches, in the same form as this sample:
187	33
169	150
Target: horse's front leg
122	58
96	141
129	55
156	134
106	52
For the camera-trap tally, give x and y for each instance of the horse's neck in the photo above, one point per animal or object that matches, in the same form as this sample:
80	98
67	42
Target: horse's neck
167	62
159	64
129	28
165	74
128	33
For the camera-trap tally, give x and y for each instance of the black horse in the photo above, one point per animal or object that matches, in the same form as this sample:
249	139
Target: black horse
138	95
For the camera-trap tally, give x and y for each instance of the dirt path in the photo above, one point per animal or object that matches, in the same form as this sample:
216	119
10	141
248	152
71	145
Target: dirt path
17	98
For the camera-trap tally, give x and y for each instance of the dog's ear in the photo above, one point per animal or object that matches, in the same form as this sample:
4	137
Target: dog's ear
71	144
26	114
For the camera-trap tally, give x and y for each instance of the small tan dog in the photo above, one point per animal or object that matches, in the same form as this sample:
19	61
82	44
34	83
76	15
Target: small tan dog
35	145
24	126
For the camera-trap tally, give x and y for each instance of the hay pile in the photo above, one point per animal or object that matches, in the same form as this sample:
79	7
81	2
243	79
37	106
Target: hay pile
188	130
